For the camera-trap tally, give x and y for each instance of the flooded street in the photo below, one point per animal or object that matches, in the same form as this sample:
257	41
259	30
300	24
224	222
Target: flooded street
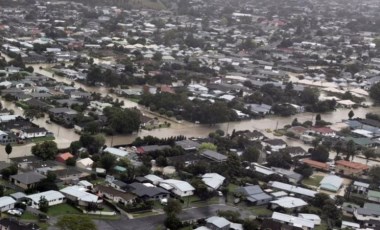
65	136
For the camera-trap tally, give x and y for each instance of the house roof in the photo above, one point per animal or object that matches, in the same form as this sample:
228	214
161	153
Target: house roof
49	195
373	193
275	142
292	189
65	156
12	224
353	165
28	177
213	180
80	193
6	200
114	192
331	182
116	151
153	178
178	184
322	130
142	190
217	221
188	144
309	216
86	161
213	155
289	202
293	220
316	164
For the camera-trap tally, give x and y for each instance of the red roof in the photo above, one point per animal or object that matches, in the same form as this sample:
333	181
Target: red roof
65	156
353	165
322	129
316	164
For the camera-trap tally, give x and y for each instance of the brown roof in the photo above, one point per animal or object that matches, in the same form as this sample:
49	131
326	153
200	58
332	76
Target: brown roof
353	165
114	192
316	164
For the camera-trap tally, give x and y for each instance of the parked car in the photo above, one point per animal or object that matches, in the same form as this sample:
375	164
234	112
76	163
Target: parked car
15	212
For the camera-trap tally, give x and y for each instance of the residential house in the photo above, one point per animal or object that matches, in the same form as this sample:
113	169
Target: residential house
7	138
80	195
6	203
350	168
117	152
63	114
213	180
221	223
298	191
294	151
214	156
373	195
151	148
275	144
115	195
53	198
360	187
316	164
331	183
292	176
313	217
322	131
85	163
63	157
349	225
70	174
26	180
370	211
119	185
293	221
254	195
14	224
288	203
259	109
147	191
188	145
153	179
254	135
178	187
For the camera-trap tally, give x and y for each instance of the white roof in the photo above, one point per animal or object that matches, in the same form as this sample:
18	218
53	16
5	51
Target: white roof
295	221
263	170
213	180
153	178
331	180
292	189
49	195
179	185
116	151
85	183
350	224
361	184
86	161
289	202
80	193
309	216
217	221
6	200
202	228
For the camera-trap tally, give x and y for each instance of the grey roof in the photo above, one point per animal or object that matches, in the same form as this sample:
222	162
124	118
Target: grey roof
18	195
141	190
368	212
214	155
28	177
254	193
288	173
151	148
119	183
188	144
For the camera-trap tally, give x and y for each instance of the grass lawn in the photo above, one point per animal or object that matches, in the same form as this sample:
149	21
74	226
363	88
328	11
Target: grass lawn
312	181
323	226
144	214
41	139
134	99
260	210
28	216
62	209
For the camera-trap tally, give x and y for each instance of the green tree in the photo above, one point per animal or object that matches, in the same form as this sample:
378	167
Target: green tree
338	147
75	146
305	170
172	222
122	121
46	150
369	153
207	146
75	222
374	92
251	154
351	114
8	149
350	150
173	207
43	204
320	153
201	189
157	56
374	173
107	161
279	159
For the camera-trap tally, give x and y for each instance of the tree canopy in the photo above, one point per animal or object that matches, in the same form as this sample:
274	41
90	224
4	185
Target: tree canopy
75	222
46	150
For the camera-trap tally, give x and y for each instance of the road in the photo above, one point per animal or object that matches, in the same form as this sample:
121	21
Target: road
153	222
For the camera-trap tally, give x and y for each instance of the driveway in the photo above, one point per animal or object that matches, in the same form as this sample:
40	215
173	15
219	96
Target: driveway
152	222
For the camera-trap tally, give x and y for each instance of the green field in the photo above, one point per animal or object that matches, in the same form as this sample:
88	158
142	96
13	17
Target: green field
62	209
313	181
